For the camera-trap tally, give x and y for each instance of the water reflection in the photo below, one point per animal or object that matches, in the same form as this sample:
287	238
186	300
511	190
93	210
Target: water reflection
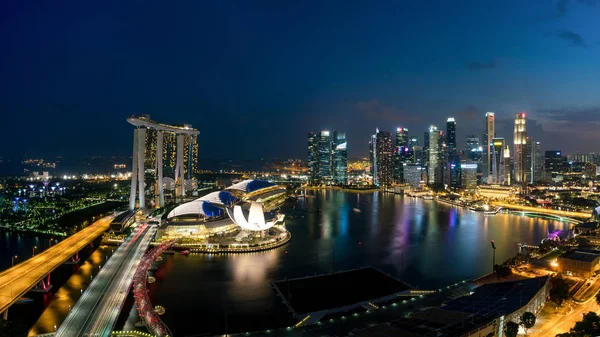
426	243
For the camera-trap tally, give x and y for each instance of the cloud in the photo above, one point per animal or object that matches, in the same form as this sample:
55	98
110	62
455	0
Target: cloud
485	65
563	7
575	123
571	115
574	39
376	111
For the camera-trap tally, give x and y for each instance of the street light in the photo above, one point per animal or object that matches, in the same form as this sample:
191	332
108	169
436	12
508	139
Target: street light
33	250
494	256
13	260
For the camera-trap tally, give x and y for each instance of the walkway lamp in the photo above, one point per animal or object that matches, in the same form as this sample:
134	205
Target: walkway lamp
33	250
13	260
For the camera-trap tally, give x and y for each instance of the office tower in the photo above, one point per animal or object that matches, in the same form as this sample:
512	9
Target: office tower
554	162
508	166
497	147
313	159
520	141
537	164
433	143
373	157
473	150
451	134
382	159
412	174
490	133
324	155
190	155
528	161
413	142
402	153
452	151
340	158
469	176
169	152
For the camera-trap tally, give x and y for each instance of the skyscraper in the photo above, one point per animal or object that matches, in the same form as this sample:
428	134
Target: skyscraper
327	158
433	153
324	155
313	155
508	163
490	133
520	141
537	163
339	158
473	149
401	153
382	161
452	152
497	147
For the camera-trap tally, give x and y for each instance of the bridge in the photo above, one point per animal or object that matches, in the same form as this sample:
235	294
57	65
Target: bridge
561	215
96	312
35	272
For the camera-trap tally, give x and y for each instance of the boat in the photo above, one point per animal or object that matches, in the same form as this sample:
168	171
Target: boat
185	252
428	197
356	210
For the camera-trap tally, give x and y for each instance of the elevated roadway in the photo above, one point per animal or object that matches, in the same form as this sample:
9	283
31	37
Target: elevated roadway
538	210
96	312
15	282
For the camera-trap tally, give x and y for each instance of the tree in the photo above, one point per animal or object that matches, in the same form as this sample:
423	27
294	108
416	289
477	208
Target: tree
503	271
511	329
588	326
527	320
559	291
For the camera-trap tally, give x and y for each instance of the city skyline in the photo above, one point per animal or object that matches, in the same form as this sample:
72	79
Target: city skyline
196	67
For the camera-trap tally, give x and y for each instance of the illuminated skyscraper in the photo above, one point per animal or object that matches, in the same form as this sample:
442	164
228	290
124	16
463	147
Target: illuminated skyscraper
190	155
451	134
313	155
324	155
433	153
339	158
537	162
497	147
490	133
382	160
520	142
508	163
402	153
453	165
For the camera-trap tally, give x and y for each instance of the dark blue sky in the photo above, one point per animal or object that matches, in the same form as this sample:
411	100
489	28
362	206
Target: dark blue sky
256	76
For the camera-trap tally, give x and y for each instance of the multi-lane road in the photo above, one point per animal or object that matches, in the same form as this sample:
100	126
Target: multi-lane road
98	308
18	280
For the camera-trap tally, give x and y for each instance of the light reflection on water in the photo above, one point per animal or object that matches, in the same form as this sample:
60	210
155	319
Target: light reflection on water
426	243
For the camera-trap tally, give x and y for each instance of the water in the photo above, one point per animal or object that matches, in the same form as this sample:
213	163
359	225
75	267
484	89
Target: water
426	243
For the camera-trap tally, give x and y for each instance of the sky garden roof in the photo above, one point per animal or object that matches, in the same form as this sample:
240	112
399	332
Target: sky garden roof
250	185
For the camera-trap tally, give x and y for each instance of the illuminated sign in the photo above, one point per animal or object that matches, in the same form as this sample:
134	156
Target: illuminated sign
468	166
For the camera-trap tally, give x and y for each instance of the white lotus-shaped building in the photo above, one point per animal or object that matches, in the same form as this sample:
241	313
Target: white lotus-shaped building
254	220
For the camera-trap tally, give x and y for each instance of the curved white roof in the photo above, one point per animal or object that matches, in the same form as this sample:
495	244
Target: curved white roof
196	207
219	198
250	185
255	220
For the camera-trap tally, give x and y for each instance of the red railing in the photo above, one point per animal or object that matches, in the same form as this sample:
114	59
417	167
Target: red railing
140	292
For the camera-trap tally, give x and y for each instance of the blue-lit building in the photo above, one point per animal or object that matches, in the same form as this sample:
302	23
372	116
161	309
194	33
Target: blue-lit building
327	158
339	158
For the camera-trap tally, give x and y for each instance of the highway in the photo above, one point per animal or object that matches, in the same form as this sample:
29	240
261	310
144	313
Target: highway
97	310
18	280
568	214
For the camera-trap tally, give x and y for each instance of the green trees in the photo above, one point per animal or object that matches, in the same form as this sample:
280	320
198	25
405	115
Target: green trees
511	329
559	291
527	320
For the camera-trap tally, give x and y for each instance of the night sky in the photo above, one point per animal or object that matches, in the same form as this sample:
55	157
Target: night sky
256	76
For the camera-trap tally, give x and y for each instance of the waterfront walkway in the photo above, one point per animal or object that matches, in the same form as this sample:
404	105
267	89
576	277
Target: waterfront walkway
97	310
18	280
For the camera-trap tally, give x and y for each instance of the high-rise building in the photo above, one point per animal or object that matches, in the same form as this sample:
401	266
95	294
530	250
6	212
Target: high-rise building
528	160
327	158
190	155
433	153
401	153
490	133
555	162
497	147
324	155
451	134
382	160
473	150
413	174
468	176
508	166
520	142
340	158
537	164
313	158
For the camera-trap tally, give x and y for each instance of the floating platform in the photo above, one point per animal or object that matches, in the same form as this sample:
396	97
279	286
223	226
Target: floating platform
310	298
